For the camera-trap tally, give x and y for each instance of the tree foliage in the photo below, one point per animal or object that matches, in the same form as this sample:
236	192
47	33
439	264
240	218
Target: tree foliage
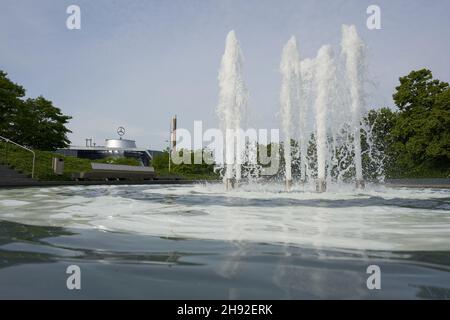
380	123
36	123
416	138
10	101
161	163
422	130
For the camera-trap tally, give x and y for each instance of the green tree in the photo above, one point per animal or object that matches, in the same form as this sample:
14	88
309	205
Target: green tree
10	102
36	123
42	125
422	130
380	123
161	163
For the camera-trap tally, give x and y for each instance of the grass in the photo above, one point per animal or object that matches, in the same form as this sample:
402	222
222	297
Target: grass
21	160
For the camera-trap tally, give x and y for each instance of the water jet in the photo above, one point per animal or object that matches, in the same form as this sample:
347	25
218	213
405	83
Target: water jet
321	185
232	107
360	184
321	104
230	184
289	99
353	51
288	185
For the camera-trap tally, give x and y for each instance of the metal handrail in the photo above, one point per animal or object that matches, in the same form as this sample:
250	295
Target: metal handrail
23	147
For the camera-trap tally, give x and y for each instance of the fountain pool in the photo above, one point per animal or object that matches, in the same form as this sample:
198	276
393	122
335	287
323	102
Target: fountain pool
253	242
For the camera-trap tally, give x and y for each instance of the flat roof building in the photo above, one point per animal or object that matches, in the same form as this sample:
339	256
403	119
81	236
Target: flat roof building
112	148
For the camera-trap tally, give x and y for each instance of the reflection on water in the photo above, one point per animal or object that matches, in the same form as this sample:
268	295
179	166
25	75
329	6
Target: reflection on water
33	261
429	292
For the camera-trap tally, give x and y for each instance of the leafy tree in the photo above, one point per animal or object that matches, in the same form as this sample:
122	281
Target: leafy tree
422	130
42	125
36	123
379	123
161	163
10	102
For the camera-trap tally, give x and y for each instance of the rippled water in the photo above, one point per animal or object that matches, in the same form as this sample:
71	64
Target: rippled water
253	242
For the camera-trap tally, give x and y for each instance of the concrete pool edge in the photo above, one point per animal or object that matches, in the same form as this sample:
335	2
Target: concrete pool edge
99	183
441	183
428	183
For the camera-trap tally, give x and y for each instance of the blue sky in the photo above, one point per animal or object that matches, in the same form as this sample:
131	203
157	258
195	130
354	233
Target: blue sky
136	63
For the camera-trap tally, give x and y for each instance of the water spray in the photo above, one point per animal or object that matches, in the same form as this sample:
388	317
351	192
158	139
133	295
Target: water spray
325	75
353	51
232	107
289	99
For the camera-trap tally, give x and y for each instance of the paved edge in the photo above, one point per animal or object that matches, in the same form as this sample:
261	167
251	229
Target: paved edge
100	183
424	186
34	183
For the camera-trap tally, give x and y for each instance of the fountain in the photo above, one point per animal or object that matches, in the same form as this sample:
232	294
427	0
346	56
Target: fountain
353	50
231	109
289	99
306	94
325	73
323	97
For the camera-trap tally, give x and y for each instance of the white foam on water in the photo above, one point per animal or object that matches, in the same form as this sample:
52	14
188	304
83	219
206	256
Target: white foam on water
13	203
377	218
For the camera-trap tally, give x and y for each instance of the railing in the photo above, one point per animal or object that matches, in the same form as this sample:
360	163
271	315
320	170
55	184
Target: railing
23	147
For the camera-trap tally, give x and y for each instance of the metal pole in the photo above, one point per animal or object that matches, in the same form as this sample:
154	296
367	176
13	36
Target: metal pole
32	168
170	145
173	135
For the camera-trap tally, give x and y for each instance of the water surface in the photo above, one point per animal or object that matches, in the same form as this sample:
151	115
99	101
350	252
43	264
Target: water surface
199	242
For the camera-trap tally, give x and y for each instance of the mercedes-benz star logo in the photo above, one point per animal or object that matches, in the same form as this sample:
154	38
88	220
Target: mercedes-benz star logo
121	131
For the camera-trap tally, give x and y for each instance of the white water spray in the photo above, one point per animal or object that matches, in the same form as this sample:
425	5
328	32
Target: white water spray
322	105
353	51
325	74
306	96
232	106
289	98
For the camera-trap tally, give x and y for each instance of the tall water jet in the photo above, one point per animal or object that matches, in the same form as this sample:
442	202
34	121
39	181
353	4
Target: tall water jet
325	75
232	107
289	99
306	95
353	50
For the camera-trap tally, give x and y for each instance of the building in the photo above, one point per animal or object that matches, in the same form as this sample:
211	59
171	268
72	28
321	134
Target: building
113	148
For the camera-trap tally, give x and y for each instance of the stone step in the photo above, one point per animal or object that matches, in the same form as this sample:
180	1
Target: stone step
4	174
10	177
